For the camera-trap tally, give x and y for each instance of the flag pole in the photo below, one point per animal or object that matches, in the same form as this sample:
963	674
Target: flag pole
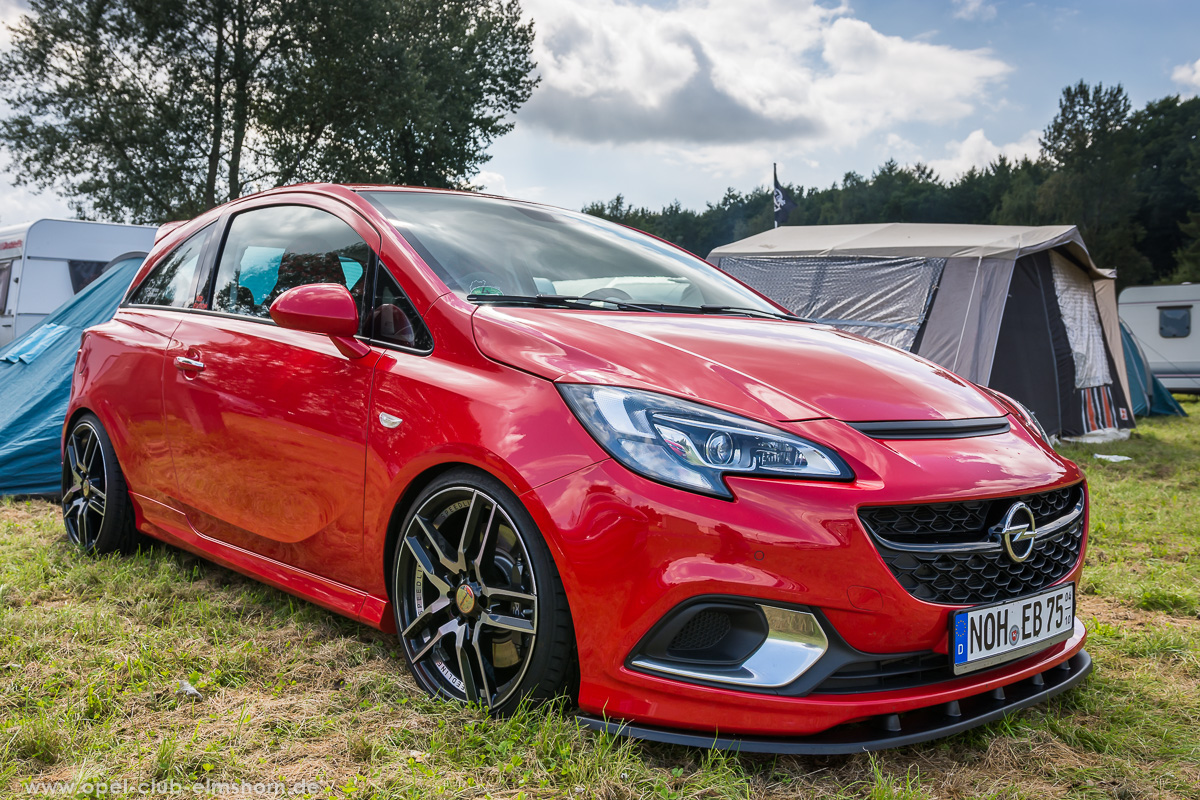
775	178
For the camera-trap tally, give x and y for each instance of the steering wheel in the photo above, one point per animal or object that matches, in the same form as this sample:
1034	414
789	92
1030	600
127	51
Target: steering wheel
609	294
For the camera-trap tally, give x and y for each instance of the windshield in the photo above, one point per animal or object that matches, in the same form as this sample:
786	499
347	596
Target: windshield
488	246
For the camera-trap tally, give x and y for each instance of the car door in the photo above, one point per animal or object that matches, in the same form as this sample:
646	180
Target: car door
267	426
134	346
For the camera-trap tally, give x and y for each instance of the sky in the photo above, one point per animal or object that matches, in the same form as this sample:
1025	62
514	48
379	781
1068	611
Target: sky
664	100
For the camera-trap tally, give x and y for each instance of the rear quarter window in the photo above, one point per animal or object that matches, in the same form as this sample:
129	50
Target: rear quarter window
171	281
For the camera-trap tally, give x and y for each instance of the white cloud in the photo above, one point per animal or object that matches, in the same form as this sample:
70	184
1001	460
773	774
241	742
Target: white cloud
978	151
22	204
899	148
10	12
715	83
974	9
726	162
491	182
1189	76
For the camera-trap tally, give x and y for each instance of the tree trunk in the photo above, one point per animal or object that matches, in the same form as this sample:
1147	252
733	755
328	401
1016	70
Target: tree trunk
242	69
218	110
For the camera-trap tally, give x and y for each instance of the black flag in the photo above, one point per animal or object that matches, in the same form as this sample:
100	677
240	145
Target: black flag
783	203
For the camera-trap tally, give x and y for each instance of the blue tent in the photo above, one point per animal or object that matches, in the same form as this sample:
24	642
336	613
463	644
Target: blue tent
35	382
1149	397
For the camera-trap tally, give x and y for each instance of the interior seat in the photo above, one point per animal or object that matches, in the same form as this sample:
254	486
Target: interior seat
300	269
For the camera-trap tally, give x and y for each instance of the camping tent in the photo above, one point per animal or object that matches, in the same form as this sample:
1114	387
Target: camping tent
1147	395
35	382
1023	310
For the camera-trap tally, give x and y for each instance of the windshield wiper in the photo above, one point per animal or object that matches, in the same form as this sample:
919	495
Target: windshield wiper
570	301
751	312
559	301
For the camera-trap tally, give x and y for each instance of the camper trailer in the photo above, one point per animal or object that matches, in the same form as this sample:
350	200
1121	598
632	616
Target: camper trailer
1164	318
45	263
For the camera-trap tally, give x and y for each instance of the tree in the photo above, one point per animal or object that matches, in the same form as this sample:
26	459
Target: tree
149	110
417	101
1187	257
1092	151
1166	132
1022	183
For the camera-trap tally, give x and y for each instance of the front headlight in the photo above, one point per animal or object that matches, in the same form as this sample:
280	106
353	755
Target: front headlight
691	445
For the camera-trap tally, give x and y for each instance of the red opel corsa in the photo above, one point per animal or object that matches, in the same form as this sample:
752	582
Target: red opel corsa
557	456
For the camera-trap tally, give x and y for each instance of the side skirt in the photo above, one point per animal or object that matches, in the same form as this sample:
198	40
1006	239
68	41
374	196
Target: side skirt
171	526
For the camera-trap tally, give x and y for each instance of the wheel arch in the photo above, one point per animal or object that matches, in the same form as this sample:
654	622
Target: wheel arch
70	421
400	511
414	488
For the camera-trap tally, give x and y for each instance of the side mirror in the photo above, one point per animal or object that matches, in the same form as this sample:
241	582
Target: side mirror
324	308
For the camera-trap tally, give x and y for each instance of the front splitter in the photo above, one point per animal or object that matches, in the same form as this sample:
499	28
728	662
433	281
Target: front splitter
882	732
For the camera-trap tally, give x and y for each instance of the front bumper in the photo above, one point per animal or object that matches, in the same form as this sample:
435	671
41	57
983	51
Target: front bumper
884	731
631	550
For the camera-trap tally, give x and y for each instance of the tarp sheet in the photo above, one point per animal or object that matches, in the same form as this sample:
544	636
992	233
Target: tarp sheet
35	384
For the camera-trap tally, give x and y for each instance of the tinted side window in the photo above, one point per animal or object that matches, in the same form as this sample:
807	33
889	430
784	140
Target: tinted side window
1175	323
83	273
5	277
270	250
170	282
393	319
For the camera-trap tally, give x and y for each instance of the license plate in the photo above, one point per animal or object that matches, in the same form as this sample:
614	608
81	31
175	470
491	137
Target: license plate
988	635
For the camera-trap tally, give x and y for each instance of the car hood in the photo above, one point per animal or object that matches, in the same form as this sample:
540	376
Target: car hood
766	368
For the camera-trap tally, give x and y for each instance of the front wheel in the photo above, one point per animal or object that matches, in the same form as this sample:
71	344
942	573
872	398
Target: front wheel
97	511
479	605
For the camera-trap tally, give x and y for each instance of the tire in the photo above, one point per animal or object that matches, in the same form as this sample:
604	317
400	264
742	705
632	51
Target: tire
97	511
480	608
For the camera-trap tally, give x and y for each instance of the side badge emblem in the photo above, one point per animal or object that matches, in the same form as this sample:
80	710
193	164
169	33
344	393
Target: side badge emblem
388	421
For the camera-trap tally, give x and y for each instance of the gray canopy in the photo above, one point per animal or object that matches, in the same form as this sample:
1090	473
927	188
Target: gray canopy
977	299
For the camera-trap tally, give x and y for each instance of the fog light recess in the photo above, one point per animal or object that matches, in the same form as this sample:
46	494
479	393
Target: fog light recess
734	643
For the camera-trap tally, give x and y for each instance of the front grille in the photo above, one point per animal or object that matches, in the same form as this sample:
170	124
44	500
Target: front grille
701	632
944	552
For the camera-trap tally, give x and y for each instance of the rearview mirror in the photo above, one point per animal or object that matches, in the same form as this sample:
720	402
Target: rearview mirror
324	308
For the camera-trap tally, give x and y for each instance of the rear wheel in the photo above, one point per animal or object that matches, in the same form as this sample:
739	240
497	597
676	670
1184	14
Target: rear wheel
97	512
479	604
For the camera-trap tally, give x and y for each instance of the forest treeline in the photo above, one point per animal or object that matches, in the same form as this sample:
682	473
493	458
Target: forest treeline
1129	179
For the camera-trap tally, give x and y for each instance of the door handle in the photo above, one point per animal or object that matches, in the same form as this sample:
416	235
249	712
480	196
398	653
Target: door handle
185	363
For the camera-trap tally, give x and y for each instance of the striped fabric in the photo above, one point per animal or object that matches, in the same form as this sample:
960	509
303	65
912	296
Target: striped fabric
1099	410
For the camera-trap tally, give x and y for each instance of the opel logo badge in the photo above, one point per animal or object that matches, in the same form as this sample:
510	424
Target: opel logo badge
465	598
1018	531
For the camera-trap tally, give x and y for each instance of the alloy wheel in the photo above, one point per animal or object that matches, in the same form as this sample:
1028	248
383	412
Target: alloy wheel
85	487
467	595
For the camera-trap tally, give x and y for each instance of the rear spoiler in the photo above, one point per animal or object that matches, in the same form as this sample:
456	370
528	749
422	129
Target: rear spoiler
166	228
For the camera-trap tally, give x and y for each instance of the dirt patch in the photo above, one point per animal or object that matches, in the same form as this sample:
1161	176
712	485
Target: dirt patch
27	514
1129	618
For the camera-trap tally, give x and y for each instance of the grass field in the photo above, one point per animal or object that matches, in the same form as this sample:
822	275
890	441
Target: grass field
91	652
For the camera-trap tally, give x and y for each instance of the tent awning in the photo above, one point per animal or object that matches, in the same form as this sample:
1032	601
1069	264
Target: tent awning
904	239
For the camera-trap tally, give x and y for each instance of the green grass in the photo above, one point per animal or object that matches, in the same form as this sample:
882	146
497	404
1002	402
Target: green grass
92	651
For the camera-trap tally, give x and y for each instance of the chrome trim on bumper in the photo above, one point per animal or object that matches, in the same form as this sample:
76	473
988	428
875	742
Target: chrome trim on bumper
795	641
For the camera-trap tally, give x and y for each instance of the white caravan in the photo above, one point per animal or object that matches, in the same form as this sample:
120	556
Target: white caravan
44	263
1164	320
